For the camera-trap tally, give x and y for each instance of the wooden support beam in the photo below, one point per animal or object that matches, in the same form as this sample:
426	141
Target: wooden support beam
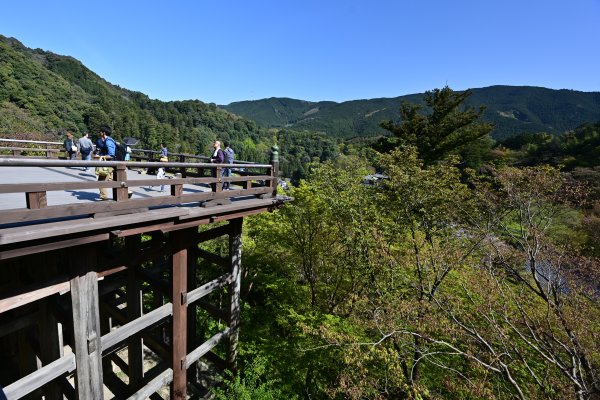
119	362
150	341
206	347
228	217
14	324
33	248
214	311
33	293
39	378
27	361
235	257
208	288
156	281
119	335
115	385
135	354
213	258
67	388
86	326
179	324
51	345
153	385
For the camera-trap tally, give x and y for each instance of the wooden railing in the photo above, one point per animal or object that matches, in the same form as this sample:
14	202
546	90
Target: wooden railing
250	179
31	148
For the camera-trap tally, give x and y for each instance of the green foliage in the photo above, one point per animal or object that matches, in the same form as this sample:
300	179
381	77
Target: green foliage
413	288
440	132
251	385
579	148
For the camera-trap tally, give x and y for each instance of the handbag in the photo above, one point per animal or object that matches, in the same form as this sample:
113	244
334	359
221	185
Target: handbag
103	172
74	148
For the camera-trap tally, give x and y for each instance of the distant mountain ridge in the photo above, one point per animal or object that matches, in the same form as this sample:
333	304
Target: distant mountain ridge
514	110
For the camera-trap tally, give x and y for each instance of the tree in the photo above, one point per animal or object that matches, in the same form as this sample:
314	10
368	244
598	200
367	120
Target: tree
446	128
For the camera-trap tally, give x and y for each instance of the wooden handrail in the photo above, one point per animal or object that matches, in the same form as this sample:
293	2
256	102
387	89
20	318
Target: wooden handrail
258	182
138	152
24	162
30	141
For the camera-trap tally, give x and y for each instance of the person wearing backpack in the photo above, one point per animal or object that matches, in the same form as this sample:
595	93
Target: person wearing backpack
229	156
85	148
107	149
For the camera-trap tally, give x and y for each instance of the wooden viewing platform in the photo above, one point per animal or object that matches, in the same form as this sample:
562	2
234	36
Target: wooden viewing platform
119	298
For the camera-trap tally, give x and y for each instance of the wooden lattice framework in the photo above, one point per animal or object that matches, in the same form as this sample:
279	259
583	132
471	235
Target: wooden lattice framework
86	302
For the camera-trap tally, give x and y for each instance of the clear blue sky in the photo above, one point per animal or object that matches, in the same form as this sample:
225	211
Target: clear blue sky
224	51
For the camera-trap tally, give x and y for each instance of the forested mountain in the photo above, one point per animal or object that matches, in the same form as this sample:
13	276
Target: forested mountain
46	93
513	109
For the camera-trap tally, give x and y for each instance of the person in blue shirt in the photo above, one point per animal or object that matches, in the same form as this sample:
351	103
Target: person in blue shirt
107	148
163	150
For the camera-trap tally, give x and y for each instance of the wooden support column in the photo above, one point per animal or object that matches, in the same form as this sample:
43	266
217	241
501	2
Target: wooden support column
27	360
135	353
192	337
179	326
106	327
86	325
157	295
235	257
51	345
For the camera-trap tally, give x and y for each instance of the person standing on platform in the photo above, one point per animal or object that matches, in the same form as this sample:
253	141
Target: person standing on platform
229	156
70	147
161	170
106	147
217	157
85	149
163	150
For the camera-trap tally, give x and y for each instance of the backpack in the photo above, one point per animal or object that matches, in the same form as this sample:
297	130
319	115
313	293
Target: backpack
229	155
120	151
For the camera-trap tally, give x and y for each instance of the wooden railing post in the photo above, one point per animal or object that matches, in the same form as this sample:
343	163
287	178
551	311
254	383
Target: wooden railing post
182	169
48	153
176	190
219	184
120	175
274	169
36	200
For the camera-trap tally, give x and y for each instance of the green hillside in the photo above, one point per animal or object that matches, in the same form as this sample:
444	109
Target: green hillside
513	109
42	94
